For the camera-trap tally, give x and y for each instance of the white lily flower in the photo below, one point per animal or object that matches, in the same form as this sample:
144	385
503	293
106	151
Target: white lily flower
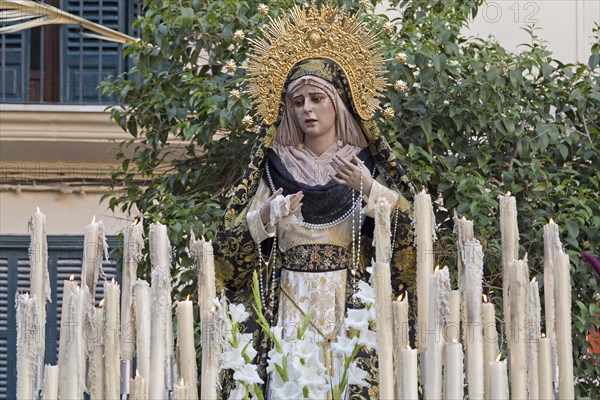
366	293
368	339
232	359
277	333
357	319
288	390
318	393
309	375
356	376
245	344
238	313
247	374
239	393
305	348
344	345
275	358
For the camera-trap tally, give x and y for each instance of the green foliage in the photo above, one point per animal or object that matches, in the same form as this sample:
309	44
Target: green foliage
475	122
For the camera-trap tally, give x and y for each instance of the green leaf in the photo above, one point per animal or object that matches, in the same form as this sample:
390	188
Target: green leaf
572	228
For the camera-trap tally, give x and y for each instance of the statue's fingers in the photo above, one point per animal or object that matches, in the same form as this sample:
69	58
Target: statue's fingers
347	163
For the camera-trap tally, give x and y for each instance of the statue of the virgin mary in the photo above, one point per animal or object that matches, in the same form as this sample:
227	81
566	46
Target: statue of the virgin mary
302	218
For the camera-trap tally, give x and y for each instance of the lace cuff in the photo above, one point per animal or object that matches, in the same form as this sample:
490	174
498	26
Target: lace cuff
280	207
377	191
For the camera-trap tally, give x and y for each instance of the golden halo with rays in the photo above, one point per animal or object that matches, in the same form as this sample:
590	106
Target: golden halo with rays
312	33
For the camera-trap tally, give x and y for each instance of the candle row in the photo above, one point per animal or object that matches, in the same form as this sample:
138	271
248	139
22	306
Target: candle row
96	346
441	311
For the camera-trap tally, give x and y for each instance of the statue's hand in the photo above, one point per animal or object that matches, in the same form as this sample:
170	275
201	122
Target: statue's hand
349	174
295	204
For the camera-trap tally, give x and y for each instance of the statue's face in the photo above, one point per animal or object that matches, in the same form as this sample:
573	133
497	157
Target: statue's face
314	111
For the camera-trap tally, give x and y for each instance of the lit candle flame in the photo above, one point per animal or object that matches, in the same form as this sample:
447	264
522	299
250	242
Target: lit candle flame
181	382
38	210
400	297
101	305
499	356
551	221
187	298
137	372
534	279
485	299
93	219
543	335
408	347
508	194
113	280
72	278
454	340
437	268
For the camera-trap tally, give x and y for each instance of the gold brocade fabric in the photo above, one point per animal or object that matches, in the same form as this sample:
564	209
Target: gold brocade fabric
237	254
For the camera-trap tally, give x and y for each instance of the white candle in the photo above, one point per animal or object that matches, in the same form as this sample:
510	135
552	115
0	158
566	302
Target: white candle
452	331
400	315
439	286
532	332
472	254
96	365
133	245
68	287
424	223
139	388
26	345
499	381
50	391
180	392
72	385
112	367
510	249
409	374
563	328
545	370
202	253
552	247
94	249
40	281
187	351
160	251
519	288
454	376
383	291
464	232
490	342
142	304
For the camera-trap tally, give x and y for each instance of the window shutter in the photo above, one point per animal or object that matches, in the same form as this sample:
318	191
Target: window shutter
14	77
87	61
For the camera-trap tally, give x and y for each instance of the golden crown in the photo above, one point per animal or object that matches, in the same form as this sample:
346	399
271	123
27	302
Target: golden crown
305	34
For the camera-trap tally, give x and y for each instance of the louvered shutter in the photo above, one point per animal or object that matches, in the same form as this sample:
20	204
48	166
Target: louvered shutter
87	61
64	258
14	77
